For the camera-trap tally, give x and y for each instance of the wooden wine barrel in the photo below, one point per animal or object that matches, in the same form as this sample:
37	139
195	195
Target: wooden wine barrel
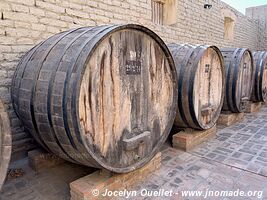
101	96
239	74
259	90
201	80
5	143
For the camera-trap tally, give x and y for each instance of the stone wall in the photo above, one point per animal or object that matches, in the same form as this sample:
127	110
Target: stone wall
24	23
259	14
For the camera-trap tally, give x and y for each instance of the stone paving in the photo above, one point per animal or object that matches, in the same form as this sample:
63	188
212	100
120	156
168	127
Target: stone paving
51	184
183	171
243	145
235	159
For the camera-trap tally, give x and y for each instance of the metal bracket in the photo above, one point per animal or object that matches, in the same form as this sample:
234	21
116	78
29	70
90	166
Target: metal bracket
134	142
207	68
205	111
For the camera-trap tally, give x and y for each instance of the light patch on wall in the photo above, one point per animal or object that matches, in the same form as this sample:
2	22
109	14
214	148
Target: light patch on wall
229	23
164	12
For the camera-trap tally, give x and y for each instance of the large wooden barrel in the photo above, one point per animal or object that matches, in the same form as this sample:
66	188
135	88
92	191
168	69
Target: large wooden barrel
201	80
259	90
101	96
239	74
5	143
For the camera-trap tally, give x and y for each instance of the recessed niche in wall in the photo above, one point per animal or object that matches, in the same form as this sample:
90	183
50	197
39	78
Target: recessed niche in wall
157	12
229	23
164	12
228	28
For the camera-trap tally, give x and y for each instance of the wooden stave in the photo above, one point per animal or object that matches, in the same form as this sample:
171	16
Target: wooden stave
69	148
185	119
70	160
32	120
89	159
180	110
5	143
15	92
260	58
233	56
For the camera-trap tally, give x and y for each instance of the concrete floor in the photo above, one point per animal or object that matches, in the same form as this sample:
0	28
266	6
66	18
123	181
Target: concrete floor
235	159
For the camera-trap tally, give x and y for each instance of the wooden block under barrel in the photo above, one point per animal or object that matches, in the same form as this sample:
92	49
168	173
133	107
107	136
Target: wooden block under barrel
40	160
94	185
190	138
253	107
227	119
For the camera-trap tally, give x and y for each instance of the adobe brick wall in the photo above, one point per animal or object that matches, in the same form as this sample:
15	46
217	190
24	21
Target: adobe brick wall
259	14
24	23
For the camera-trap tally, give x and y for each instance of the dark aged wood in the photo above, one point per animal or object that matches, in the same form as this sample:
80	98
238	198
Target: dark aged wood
100	96
239	74
259	91
5	143
201	81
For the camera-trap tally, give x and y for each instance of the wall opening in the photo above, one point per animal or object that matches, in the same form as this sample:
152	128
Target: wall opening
157	12
229	23
164	12
229	28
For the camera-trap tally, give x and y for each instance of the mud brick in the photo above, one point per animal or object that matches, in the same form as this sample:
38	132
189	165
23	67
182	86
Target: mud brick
189	138
82	189
40	160
253	107
230	118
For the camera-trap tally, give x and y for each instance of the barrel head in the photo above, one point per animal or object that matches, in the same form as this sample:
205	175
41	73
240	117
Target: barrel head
127	99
